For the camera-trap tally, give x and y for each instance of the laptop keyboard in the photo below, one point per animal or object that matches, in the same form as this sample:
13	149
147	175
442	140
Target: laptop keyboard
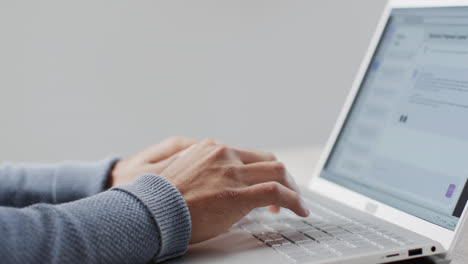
322	235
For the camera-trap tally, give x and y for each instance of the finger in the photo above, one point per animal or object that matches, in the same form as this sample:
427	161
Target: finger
274	209
268	171
252	156
185	151
166	149
160	166
273	193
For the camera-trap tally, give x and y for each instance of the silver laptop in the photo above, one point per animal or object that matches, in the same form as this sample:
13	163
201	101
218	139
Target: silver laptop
392	181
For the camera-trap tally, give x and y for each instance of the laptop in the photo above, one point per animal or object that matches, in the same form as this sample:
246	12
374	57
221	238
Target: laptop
392	182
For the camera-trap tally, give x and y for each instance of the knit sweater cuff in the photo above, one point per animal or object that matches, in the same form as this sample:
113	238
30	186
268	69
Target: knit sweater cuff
169	211
76	180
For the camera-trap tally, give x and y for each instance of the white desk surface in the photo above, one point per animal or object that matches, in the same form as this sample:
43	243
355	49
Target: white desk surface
301	162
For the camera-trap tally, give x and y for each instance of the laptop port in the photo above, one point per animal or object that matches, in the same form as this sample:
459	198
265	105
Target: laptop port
415	252
393	255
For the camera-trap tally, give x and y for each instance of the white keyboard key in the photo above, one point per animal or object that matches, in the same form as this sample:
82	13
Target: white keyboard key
295	236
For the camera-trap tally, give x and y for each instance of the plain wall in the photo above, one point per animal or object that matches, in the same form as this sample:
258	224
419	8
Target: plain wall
85	79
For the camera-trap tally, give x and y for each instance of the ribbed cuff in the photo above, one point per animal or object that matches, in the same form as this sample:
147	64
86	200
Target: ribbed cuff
169	211
76	180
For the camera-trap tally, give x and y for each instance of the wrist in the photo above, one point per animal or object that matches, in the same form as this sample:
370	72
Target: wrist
169	210
116	173
110	176
76	180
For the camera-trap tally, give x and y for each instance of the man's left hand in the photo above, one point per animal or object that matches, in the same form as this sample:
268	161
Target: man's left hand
151	160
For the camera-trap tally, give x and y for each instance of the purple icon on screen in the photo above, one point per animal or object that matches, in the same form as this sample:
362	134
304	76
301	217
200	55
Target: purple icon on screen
450	190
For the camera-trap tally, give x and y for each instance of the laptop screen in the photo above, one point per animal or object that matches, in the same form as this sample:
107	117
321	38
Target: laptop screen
405	140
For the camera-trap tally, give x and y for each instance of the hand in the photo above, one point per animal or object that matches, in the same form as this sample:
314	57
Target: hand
221	184
151	160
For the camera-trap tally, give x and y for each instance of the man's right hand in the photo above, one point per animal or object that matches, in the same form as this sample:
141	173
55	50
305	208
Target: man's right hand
221	184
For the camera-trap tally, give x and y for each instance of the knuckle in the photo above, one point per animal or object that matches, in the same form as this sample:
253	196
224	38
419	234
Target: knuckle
223	147
209	141
232	194
272	188
228	194
221	150
279	168
270	156
230	170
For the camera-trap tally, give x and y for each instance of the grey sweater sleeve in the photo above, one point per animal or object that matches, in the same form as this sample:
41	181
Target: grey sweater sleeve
143	221
26	184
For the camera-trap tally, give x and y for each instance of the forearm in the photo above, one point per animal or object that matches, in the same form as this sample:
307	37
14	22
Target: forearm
26	184
126	225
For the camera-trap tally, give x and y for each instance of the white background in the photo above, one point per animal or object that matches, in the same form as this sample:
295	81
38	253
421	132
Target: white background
85	79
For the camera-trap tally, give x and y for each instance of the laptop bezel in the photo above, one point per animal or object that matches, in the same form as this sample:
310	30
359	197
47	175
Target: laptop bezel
357	200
